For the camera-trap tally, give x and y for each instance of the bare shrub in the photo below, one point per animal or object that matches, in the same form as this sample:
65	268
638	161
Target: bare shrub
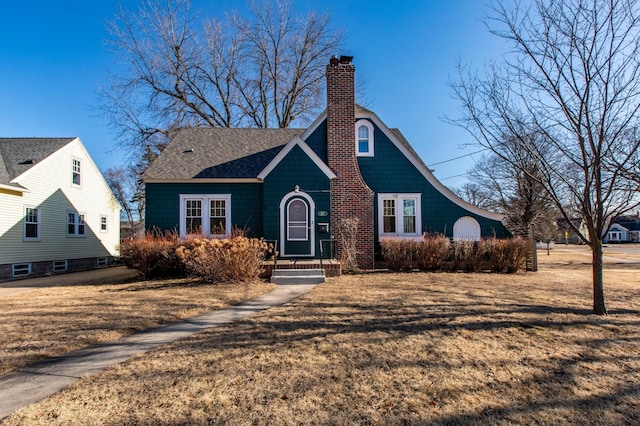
468	256
236	259
432	252
348	236
153	255
507	256
399	254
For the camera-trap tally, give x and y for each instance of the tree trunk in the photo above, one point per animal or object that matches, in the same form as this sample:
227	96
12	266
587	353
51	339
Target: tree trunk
599	307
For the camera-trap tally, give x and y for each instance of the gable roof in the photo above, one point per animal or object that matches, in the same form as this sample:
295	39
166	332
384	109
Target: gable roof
407	150
218	153
307	150
17	155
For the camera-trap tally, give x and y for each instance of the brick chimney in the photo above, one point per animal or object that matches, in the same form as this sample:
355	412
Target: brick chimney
350	195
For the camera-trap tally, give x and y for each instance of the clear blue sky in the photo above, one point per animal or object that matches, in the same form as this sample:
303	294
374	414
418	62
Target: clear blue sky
54	58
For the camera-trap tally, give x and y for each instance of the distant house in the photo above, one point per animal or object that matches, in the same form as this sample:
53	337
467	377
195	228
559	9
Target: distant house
58	213
624	229
297	186
566	233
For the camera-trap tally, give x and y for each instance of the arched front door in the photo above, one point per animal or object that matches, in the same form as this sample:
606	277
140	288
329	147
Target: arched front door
297	228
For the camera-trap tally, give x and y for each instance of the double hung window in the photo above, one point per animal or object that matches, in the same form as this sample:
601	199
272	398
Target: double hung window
205	214
31	224
399	215
76	225
76	172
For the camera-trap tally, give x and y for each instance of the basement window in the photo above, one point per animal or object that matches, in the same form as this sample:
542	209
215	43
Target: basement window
21	269
60	265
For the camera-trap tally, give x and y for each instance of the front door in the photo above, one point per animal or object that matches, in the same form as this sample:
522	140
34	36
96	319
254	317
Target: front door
297	232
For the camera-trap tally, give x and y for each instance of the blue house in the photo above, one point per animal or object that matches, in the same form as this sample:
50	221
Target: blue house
297	186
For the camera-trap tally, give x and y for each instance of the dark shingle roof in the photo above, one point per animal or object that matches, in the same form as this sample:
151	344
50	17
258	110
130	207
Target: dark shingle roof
219	153
17	155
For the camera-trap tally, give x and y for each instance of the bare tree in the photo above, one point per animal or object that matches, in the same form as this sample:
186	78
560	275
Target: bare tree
128	188
177	69
513	187
574	80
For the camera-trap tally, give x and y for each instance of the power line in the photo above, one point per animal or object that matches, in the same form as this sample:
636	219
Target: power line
456	158
451	177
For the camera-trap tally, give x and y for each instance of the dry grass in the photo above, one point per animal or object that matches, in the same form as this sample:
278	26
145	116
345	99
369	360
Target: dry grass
51	321
392	349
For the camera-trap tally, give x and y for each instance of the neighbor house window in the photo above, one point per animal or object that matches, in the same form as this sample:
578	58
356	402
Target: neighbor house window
21	269
59	265
32	224
76	225
76	172
364	138
206	214
103	223
399	215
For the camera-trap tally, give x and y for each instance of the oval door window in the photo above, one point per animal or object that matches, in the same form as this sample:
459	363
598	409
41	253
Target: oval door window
297	220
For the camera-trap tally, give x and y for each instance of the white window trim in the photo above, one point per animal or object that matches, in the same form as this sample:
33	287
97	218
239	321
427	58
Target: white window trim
38	223
79	172
76	223
106	223
21	269
60	265
399	198
206	213
305	223
368	125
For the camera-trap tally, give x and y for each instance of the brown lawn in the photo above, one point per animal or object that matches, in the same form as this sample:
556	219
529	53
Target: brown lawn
51	321
392	349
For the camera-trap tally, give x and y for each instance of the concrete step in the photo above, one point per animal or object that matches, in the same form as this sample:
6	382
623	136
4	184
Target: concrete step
298	276
293	272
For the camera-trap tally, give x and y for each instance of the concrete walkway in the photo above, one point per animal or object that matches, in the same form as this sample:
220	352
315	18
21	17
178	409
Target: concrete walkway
35	382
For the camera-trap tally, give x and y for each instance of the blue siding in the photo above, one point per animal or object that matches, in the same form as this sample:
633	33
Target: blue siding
163	204
295	169
389	171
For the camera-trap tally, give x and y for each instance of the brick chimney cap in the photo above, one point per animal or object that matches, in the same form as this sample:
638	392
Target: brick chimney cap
345	59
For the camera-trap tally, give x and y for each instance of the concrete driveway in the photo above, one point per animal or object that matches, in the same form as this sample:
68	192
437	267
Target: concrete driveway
96	276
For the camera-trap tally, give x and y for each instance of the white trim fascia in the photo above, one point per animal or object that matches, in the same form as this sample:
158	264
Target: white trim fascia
14	188
620	227
312	128
203	180
97	171
312	213
427	173
36	165
297	140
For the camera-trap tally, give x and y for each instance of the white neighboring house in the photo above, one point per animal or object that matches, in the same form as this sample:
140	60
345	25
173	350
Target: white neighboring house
57	213
616	234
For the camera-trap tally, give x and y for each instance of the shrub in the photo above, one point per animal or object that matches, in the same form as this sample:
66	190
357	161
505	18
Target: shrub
153	255
432	252
399	254
235	259
507	256
348	237
468	256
